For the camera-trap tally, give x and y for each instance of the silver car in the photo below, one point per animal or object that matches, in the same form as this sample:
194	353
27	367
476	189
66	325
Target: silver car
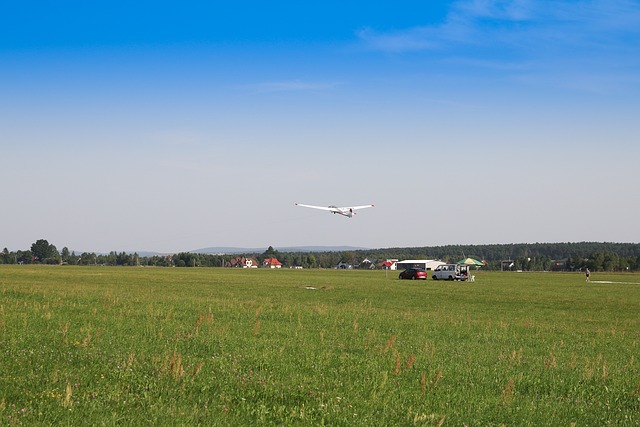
451	272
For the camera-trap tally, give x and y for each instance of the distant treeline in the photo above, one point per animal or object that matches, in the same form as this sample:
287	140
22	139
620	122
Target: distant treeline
522	256
597	256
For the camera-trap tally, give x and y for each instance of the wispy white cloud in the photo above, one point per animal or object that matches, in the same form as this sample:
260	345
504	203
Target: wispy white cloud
508	23
465	24
598	38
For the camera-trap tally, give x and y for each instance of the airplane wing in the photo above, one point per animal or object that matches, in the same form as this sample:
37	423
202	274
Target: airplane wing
361	207
324	208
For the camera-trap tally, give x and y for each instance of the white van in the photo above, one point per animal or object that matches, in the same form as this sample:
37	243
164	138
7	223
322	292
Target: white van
451	272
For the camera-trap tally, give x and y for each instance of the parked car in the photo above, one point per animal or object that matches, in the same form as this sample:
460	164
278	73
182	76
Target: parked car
451	272
413	274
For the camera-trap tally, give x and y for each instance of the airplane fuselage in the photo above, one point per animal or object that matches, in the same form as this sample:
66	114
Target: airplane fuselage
344	212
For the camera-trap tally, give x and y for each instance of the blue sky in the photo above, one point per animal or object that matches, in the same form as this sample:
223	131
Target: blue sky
175	126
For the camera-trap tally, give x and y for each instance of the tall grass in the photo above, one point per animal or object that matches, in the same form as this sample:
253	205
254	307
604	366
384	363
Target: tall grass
133	346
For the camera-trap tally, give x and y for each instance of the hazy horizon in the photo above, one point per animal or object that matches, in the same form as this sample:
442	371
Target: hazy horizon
230	250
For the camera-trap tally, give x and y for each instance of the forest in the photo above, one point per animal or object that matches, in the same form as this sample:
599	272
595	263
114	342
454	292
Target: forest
596	256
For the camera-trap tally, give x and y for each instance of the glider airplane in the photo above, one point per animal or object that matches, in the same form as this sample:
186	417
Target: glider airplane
348	211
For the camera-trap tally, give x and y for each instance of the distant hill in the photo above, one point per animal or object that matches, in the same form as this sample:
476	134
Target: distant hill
234	250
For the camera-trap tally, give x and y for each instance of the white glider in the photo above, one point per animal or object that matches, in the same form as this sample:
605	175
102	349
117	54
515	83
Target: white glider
344	211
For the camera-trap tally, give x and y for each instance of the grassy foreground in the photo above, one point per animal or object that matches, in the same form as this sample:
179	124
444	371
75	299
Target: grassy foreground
145	346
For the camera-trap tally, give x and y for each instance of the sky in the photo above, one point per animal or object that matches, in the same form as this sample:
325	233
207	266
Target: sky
174	126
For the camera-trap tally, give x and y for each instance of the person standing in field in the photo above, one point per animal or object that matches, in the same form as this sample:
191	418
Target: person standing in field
587	273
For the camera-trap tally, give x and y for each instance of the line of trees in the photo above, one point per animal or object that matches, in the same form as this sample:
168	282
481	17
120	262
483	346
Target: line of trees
597	256
527	257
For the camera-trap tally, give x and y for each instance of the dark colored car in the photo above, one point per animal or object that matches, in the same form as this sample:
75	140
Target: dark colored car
413	274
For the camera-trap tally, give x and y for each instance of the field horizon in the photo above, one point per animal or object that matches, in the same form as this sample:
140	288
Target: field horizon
215	346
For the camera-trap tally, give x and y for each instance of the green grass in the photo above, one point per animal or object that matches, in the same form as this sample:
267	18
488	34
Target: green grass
145	346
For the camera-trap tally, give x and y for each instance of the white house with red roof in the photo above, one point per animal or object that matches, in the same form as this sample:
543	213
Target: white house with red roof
271	263
390	264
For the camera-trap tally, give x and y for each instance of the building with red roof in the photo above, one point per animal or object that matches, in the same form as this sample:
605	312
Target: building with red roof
272	263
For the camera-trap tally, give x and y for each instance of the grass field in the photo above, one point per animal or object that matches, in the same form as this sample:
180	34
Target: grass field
147	346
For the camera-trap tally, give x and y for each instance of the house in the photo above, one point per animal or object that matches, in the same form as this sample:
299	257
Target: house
367	264
243	262
390	264
271	263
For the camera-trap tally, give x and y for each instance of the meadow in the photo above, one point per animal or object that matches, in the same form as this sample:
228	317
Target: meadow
213	346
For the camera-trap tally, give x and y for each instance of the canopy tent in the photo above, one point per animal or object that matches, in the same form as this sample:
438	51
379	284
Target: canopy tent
470	261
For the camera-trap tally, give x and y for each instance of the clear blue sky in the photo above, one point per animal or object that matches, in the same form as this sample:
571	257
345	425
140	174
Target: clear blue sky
175	126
